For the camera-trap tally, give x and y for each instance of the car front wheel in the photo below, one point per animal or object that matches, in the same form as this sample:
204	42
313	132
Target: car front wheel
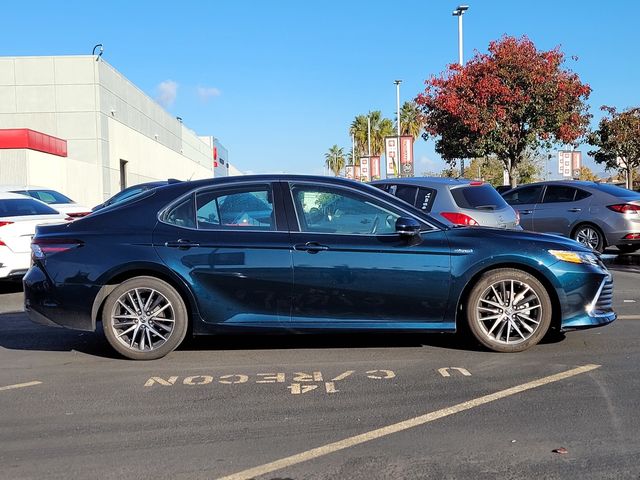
144	318
508	310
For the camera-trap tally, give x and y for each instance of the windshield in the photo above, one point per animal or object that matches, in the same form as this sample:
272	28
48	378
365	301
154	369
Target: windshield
46	196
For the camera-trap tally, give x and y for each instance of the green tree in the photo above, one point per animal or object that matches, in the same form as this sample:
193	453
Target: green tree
380	128
411	119
334	159
587	174
509	101
617	141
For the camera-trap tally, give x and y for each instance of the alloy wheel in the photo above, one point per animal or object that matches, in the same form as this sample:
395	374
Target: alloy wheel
142	319
589	237
509	312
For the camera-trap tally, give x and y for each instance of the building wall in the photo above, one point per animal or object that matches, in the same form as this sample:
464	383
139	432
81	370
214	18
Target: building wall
104	118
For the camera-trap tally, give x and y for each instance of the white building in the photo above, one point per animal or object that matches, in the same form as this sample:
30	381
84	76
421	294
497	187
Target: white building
108	134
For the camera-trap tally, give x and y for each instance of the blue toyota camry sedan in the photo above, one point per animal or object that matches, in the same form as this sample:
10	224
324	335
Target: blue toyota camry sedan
303	254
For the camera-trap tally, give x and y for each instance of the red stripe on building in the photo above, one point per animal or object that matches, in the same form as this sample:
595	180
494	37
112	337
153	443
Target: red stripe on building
26	138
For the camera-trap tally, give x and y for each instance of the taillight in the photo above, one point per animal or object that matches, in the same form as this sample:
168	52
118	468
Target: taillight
476	183
624	208
459	218
2	244
78	214
2	224
43	247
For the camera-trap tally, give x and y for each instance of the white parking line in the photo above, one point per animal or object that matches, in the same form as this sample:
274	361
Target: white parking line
404	425
628	317
20	385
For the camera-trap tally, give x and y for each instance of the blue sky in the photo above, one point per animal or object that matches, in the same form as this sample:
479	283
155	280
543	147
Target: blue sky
279	82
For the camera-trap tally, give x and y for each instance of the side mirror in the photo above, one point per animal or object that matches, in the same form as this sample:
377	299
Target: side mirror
407	227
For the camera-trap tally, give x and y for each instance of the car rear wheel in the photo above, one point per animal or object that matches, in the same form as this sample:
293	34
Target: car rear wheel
508	310
144	318
590	236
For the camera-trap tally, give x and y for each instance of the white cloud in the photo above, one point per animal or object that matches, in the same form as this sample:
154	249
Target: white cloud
166	93
207	93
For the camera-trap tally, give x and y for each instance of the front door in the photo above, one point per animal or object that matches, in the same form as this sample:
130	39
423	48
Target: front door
231	245
352	270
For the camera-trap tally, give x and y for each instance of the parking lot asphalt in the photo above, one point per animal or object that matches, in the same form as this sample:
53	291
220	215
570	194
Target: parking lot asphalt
326	407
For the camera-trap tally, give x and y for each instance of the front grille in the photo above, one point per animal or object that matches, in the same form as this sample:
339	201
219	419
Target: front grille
603	304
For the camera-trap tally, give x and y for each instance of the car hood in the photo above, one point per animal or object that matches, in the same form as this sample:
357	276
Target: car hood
519	238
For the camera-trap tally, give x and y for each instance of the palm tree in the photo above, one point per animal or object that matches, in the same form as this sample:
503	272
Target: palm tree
380	128
334	159
411	120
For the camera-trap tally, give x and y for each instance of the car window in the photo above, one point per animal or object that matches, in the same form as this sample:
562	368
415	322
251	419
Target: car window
523	195
182	214
425	198
559	193
334	210
406	193
243	208
127	193
478	197
581	194
17	207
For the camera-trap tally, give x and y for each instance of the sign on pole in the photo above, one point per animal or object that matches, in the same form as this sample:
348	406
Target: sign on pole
569	163
365	171
391	155
375	168
406	156
349	172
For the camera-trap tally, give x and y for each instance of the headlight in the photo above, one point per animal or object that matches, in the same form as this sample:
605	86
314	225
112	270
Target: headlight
575	257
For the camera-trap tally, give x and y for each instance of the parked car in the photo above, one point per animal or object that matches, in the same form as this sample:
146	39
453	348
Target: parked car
459	201
597	215
132	191
19	216
174	261
54	199
503	188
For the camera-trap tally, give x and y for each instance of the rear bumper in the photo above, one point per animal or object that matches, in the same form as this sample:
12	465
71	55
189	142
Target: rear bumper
49	304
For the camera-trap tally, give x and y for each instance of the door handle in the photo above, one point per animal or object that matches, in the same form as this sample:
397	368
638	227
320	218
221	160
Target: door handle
311	247
182	244
575	209
526	212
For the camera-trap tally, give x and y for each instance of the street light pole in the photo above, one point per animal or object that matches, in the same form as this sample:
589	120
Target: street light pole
459	12
397	82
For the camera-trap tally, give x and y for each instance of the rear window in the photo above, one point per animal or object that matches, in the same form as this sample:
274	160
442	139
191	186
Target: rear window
617	191
18	207
478	197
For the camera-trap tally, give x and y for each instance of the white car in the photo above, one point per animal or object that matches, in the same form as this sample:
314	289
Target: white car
54	199
19	216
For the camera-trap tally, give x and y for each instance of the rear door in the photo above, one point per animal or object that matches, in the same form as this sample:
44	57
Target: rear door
524	199
561	208
231	244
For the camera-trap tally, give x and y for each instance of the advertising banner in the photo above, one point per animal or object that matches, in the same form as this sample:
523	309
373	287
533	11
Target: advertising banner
576	163
375	168
564	163
391	155
406	156
349	172
365	171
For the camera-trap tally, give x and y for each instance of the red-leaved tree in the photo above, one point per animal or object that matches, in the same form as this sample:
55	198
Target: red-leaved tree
512	99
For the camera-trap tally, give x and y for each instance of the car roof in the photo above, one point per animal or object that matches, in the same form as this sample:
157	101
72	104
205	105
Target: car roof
425	181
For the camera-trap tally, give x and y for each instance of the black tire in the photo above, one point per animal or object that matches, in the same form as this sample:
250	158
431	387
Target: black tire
590	236
159	330
628	248
487	294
